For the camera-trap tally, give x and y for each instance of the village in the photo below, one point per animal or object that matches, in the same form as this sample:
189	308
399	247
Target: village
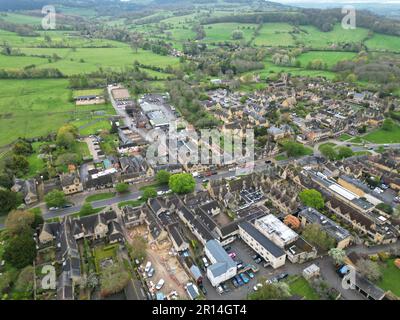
284	220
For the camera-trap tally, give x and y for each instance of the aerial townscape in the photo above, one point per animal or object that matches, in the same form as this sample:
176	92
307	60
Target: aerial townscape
199	150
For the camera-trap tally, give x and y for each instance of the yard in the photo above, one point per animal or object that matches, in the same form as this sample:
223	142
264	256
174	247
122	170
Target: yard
382	136
103	254
391	277
299	286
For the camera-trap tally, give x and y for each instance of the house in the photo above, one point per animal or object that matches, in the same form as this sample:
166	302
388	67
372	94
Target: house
178	241
275	230
28	189
268	250
192	291
71	183
222	266
132	217
342	236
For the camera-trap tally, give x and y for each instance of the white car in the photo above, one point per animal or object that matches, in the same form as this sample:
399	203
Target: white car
148	267
160	284
206	264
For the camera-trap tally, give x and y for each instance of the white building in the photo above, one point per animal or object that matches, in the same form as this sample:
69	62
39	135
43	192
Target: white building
275	230
268	250
222	266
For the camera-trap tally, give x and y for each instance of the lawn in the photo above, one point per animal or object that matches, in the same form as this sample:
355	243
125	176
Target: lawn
382	136
330	144
301	287
132	203
36	164
391	277
21	19
331	58
345	137
100	196
103	253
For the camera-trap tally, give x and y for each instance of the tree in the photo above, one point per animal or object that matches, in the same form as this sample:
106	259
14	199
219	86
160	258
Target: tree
20	250
86	210
55	198
137	248
328	151
274	291
8	201
314	234
24	283
396	212
17	164
345	152
338	255
237	34
163	177
149	193
113	279
369	269
122	187
294	149
23	148
385	207
182	183
19	221
312	198
66	136
6	180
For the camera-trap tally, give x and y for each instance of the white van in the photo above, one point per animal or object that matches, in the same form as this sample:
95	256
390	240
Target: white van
160	284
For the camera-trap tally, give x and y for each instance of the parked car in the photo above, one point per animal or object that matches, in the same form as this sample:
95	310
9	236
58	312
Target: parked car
54	208
205	181
232	255
206	264
203	289
239	280
258	260
148	266
244	278
160	284
282	276
251	274
225	287
220	290
240	265
235	283
228	248
256	256
257	286
151	272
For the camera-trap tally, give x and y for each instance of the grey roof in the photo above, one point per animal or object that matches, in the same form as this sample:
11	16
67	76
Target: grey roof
196	272
368	287
223	261
262	240
330	227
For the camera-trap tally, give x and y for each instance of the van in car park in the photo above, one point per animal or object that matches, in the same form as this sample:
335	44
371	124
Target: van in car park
160	284
206	264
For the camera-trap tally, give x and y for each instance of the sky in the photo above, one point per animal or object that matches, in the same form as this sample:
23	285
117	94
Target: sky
339	1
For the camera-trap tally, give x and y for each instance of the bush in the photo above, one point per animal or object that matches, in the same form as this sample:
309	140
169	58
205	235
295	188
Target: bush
384	256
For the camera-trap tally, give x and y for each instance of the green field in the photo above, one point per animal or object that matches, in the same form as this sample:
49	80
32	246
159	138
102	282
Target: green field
312	37
275	35
382	136
220	32
383	42
331	58
21	19
391	277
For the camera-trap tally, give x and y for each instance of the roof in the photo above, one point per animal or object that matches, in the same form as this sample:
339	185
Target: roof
332	228
369	288
196	272
261	239
223	261
271	224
